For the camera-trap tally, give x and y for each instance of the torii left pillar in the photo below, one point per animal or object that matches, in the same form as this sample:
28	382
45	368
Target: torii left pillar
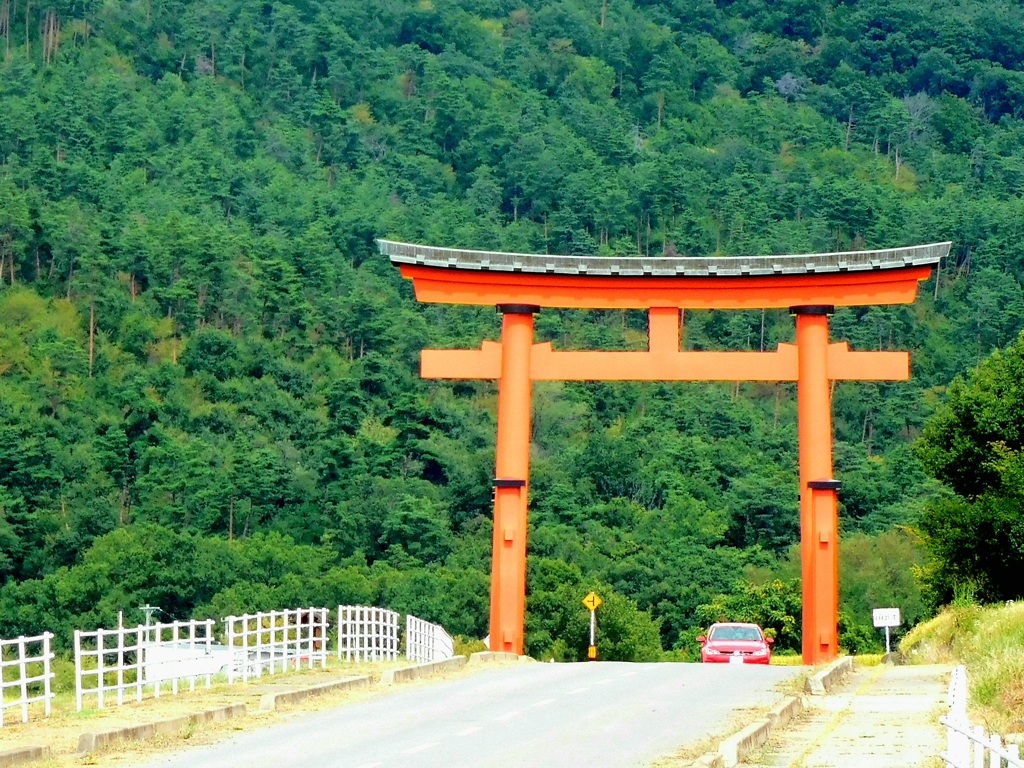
511	486
819	518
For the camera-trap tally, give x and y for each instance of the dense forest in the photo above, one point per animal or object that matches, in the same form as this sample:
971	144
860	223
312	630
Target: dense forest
209	390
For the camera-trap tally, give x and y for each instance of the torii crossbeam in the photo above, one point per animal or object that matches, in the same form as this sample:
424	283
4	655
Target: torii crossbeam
811	286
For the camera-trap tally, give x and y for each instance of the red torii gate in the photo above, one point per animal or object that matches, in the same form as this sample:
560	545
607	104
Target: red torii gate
811	286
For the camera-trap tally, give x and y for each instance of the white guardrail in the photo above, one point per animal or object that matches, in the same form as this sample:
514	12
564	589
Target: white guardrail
124	663
275	641
970	746
130	658
426	642
366	633
29	659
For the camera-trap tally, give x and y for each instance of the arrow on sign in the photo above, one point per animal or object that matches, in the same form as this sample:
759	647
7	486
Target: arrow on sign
592	601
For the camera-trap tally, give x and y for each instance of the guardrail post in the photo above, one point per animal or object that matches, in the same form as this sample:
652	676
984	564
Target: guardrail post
47	670
23	671
78	670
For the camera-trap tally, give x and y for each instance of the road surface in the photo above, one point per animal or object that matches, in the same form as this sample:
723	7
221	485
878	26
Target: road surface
528	715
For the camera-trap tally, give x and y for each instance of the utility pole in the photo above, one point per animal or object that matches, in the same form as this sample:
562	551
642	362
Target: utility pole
148	610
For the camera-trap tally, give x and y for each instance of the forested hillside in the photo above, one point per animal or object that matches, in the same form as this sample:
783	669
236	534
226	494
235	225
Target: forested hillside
209	391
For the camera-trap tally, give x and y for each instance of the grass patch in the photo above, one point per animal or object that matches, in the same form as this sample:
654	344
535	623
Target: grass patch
989	641
786	660
868	659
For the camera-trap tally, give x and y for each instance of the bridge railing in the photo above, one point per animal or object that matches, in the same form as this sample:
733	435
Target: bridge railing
970	746
275	641
126	659
366	633
126	663
25	674
425	642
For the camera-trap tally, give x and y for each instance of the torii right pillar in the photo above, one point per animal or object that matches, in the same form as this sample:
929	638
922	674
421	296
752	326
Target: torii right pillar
819	519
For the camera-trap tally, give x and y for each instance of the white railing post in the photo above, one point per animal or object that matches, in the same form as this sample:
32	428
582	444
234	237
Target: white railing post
140	660
229	636
23	675
271	640
99	667
260	644
120	668
312	619
48	670
209	650
78	670
325	627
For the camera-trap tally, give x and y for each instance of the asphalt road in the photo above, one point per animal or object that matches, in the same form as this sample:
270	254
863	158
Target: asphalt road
603	715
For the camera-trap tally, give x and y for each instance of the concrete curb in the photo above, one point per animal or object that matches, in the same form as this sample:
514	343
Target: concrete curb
23	755
739	745
710	760
492	656
90	742
270	701
392	676
786	710
821	682
736	747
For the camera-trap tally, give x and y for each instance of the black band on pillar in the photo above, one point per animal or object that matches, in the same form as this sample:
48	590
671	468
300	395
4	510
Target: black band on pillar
813	309
518	309
501	482
824	485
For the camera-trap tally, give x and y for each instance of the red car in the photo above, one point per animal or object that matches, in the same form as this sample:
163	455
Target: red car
735	644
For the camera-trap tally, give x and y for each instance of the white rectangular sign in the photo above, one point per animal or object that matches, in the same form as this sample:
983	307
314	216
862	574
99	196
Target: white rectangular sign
887	617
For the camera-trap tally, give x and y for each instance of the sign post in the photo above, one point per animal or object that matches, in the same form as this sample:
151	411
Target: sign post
887	617
592	602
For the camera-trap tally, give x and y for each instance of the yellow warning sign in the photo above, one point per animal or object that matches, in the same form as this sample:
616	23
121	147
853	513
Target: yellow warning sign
592	653
592	601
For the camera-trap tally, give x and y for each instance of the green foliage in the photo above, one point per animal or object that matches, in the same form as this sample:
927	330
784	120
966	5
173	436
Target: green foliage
971	444
466	646
558	625
974	445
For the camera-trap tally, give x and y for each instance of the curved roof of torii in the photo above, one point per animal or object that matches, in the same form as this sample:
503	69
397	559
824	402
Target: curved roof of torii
459	276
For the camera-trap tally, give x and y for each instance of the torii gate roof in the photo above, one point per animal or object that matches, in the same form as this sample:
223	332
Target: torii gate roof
458	276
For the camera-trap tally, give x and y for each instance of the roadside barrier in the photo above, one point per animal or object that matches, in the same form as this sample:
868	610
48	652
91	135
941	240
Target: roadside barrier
127	663
969	746
426	642
367	634
130	658
30	659
275	641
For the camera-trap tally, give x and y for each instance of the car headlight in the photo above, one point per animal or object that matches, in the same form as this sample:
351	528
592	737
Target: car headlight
760	652
712	651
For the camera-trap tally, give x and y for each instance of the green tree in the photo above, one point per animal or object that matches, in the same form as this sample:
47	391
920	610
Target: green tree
973	444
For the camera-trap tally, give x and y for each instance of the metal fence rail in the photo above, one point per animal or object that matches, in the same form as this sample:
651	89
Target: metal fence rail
129	658
275	641
25	668
425	642
366	633
970	746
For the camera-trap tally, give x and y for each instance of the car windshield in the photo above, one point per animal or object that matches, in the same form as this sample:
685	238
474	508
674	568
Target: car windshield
735	633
